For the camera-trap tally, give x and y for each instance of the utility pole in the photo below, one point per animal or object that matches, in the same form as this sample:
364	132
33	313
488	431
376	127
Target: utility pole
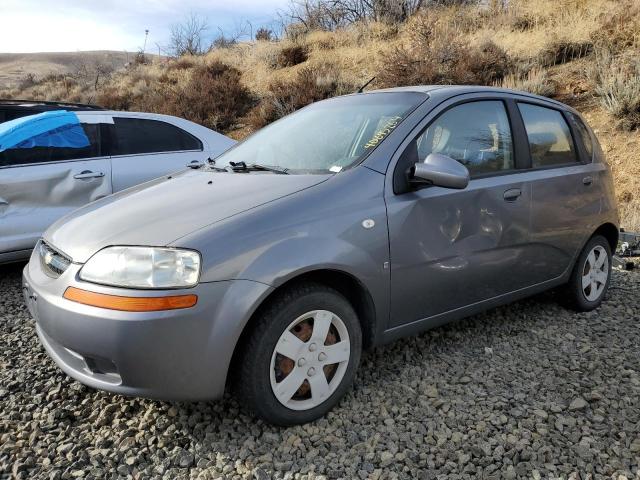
146	34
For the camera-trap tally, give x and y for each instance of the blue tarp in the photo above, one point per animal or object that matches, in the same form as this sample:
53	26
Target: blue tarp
58	128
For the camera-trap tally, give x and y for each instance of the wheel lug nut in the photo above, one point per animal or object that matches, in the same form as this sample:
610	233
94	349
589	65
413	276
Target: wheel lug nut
311	372
312	347
301	362
322	357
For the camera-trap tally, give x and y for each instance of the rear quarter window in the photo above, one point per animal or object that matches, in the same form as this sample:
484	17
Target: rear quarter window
584	137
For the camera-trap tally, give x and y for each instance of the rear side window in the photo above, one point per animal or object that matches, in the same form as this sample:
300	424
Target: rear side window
549	136
583	134
25	156
136	135
476	134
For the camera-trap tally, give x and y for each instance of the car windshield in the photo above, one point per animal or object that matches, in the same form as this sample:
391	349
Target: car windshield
328	136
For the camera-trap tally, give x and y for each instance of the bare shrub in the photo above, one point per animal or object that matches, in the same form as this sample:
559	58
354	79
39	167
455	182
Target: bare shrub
310	85
535	81
620	29
264	34
140	58
28	81
442	59
224	41
562	51
486	63
185	62
292	55
333	14
187	38
114	98
522	23
214	96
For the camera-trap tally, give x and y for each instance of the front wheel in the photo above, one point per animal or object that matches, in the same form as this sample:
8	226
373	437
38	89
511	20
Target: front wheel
301	356
591	275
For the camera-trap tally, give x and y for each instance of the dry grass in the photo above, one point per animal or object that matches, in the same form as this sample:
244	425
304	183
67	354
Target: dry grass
580	51
535	81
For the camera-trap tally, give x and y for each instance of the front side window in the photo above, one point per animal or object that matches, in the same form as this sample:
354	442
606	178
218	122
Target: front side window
476	134
138	135
327	136
549	136
42	154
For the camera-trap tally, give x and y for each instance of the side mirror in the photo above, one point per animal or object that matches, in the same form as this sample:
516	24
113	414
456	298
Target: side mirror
441	171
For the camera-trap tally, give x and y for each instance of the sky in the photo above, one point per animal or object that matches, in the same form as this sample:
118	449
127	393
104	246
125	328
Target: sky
73	25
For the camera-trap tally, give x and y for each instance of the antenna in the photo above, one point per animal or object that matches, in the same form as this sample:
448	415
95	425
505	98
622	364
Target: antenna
361	89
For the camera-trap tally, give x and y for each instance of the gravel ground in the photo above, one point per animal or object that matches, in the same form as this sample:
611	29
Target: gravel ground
529	390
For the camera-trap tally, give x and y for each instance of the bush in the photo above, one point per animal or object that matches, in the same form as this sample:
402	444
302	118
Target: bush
264	35
28	81
620	29
536	81
214	96
310	85
113	98
292	55
560	51
620	96
522	23
445	60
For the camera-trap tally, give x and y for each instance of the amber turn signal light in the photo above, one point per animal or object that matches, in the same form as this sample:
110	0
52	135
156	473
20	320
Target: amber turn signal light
129	304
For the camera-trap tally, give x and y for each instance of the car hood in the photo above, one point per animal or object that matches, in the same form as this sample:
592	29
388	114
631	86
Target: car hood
159	212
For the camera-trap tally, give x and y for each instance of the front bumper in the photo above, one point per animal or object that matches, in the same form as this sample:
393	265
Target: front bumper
170	355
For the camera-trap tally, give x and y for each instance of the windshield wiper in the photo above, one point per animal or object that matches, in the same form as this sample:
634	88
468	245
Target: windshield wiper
243	167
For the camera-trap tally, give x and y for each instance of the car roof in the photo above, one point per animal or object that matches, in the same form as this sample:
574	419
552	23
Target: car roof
447	91
46	105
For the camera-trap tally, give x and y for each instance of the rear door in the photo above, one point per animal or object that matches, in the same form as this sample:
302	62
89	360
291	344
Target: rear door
39	185
452	248
565	189
143	149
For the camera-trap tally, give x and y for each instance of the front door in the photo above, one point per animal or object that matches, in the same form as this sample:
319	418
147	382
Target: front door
453	248
39	185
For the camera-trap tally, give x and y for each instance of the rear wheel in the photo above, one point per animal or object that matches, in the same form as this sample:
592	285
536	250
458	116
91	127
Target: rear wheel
301	357
591	275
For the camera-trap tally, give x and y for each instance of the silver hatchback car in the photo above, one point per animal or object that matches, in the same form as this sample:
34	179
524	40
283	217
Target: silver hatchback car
62	160
350	223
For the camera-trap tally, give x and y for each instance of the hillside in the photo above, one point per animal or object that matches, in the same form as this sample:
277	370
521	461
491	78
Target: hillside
583	52
16	68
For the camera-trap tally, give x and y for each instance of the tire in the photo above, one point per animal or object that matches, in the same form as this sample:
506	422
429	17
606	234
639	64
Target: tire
594	267
292	325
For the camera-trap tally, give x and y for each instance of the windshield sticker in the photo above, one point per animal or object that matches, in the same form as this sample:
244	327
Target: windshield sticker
335	169
385	130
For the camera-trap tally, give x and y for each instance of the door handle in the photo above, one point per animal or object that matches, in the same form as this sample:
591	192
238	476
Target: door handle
512	194
195	164
88	174
587	180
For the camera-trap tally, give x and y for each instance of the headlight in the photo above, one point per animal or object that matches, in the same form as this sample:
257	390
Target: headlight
143	267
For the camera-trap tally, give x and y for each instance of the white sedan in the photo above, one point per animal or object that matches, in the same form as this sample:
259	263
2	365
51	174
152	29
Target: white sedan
47	173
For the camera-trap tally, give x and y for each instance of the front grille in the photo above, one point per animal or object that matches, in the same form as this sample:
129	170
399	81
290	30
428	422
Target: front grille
54	263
